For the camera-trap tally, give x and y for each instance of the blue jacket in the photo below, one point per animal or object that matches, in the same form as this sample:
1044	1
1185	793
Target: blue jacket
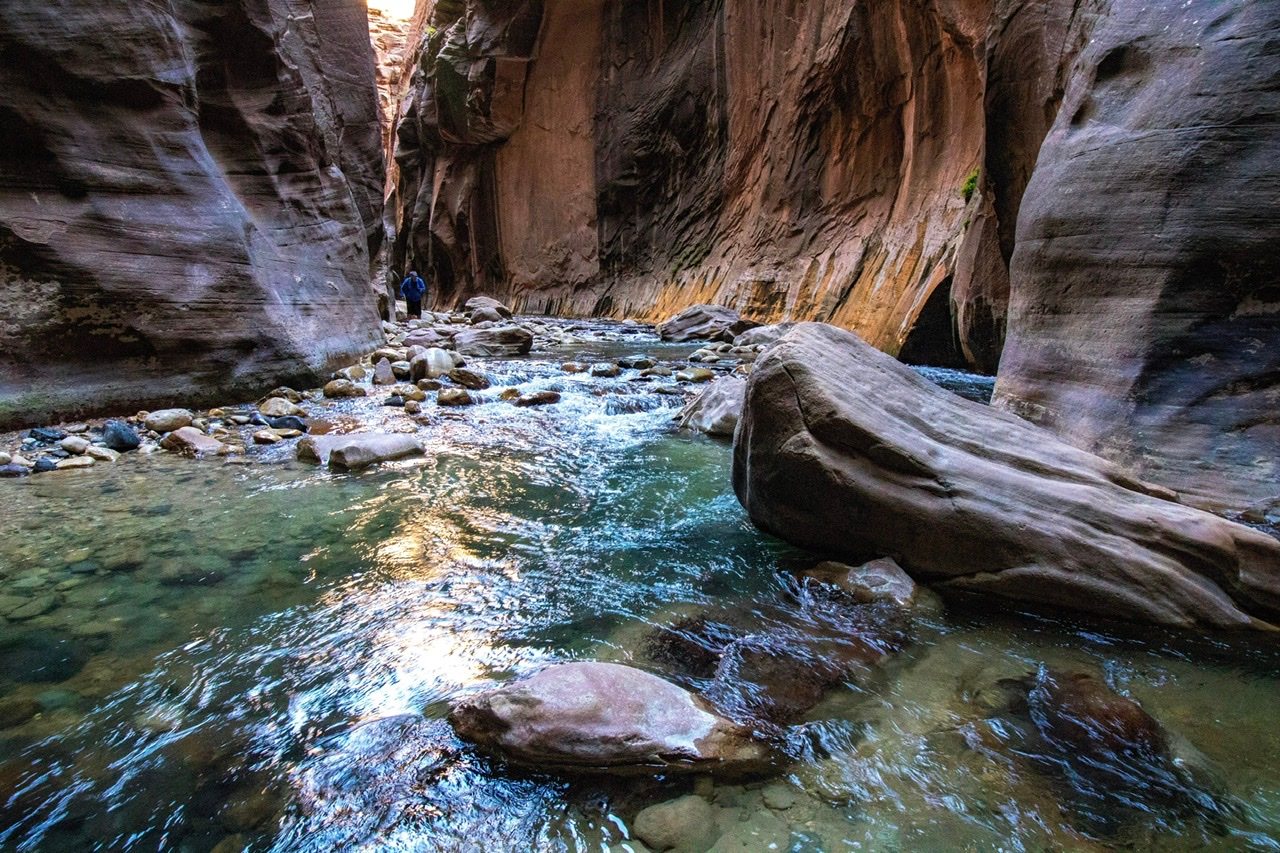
413	287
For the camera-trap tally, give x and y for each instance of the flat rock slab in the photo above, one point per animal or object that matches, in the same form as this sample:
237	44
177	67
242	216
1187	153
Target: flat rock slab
358	449
495	342
606	718
845	451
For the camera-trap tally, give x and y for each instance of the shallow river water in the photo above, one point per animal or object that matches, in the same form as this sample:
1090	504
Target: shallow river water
260	655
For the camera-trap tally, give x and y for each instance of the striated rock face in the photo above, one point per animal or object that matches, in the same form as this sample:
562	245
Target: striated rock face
1144	322
189	194
845	451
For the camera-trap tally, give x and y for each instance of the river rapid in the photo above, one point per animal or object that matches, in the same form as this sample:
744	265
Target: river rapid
259	654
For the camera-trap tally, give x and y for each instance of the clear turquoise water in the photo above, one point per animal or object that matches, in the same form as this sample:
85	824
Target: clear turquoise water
260	655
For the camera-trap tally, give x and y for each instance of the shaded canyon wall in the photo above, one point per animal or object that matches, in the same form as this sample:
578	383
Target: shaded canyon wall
189	196
1095	179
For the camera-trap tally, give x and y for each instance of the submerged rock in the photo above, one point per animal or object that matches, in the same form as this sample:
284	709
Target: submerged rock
606	718
713	322
846	451
686	824
717	409
879	580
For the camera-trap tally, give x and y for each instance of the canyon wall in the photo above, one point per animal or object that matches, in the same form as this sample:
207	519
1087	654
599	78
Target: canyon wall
189	196
1094	179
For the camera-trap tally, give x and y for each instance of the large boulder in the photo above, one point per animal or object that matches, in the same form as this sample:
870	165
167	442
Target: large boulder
845	451
358	449
189	196
491	307
430	364
499	341
716	410
606	718
704	322
763	335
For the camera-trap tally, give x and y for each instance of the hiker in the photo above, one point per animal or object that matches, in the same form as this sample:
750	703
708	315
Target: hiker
413	288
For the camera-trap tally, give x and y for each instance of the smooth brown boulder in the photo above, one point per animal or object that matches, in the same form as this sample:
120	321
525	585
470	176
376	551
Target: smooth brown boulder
606	718
487	304
495	342
190	195
704	322
190	441
845	451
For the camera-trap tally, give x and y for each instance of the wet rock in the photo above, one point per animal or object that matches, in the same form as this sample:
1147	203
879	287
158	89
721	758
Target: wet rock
606	718
12	470
288	422
717	409
454	397
574	367
412	407
488	303
76	462
395	401
538	398
429	385
46	435
431	364
879	580
469	379
487	315
779	796
74	444
15	712
102	454
357	450
354	373
637	362
40	656
279	407
250	810
119	436
44	464
685	824
191	573
191	442
709	322
265	436
342	388
427	338
765	336
495	342
510	394
401	369
1010	510
605	370
383	374
33	607
657	370
387	354
168	420
761	831
695	375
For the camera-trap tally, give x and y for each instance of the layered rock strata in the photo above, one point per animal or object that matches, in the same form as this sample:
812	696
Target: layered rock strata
189	195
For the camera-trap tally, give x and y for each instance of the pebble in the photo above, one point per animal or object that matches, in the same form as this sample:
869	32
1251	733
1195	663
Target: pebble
74	444
168	420
686	823
44	464
778	795
412	407
695	374
265	436
10	470
118	435
605	370
538	398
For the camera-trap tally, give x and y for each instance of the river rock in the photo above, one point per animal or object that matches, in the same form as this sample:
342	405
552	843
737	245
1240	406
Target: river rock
878	580
763	335
191	442
844	450
574	367
717	409
74	444
78	462
695	375
102	454
358	449
537	398
427	338
605	370
16	711
119	436
469	379
341	388
454	397
355	373
705	322
685	824
430	364
488	303
495	342
605	718
265	436
383	374
168	420
279	407
46	435
487	315
43	465
12	470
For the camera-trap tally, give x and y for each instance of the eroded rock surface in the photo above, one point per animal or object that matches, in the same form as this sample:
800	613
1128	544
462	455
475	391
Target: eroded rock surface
845	451
189	194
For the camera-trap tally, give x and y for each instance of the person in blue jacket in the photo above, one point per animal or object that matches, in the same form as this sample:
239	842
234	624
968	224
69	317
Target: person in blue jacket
413	288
